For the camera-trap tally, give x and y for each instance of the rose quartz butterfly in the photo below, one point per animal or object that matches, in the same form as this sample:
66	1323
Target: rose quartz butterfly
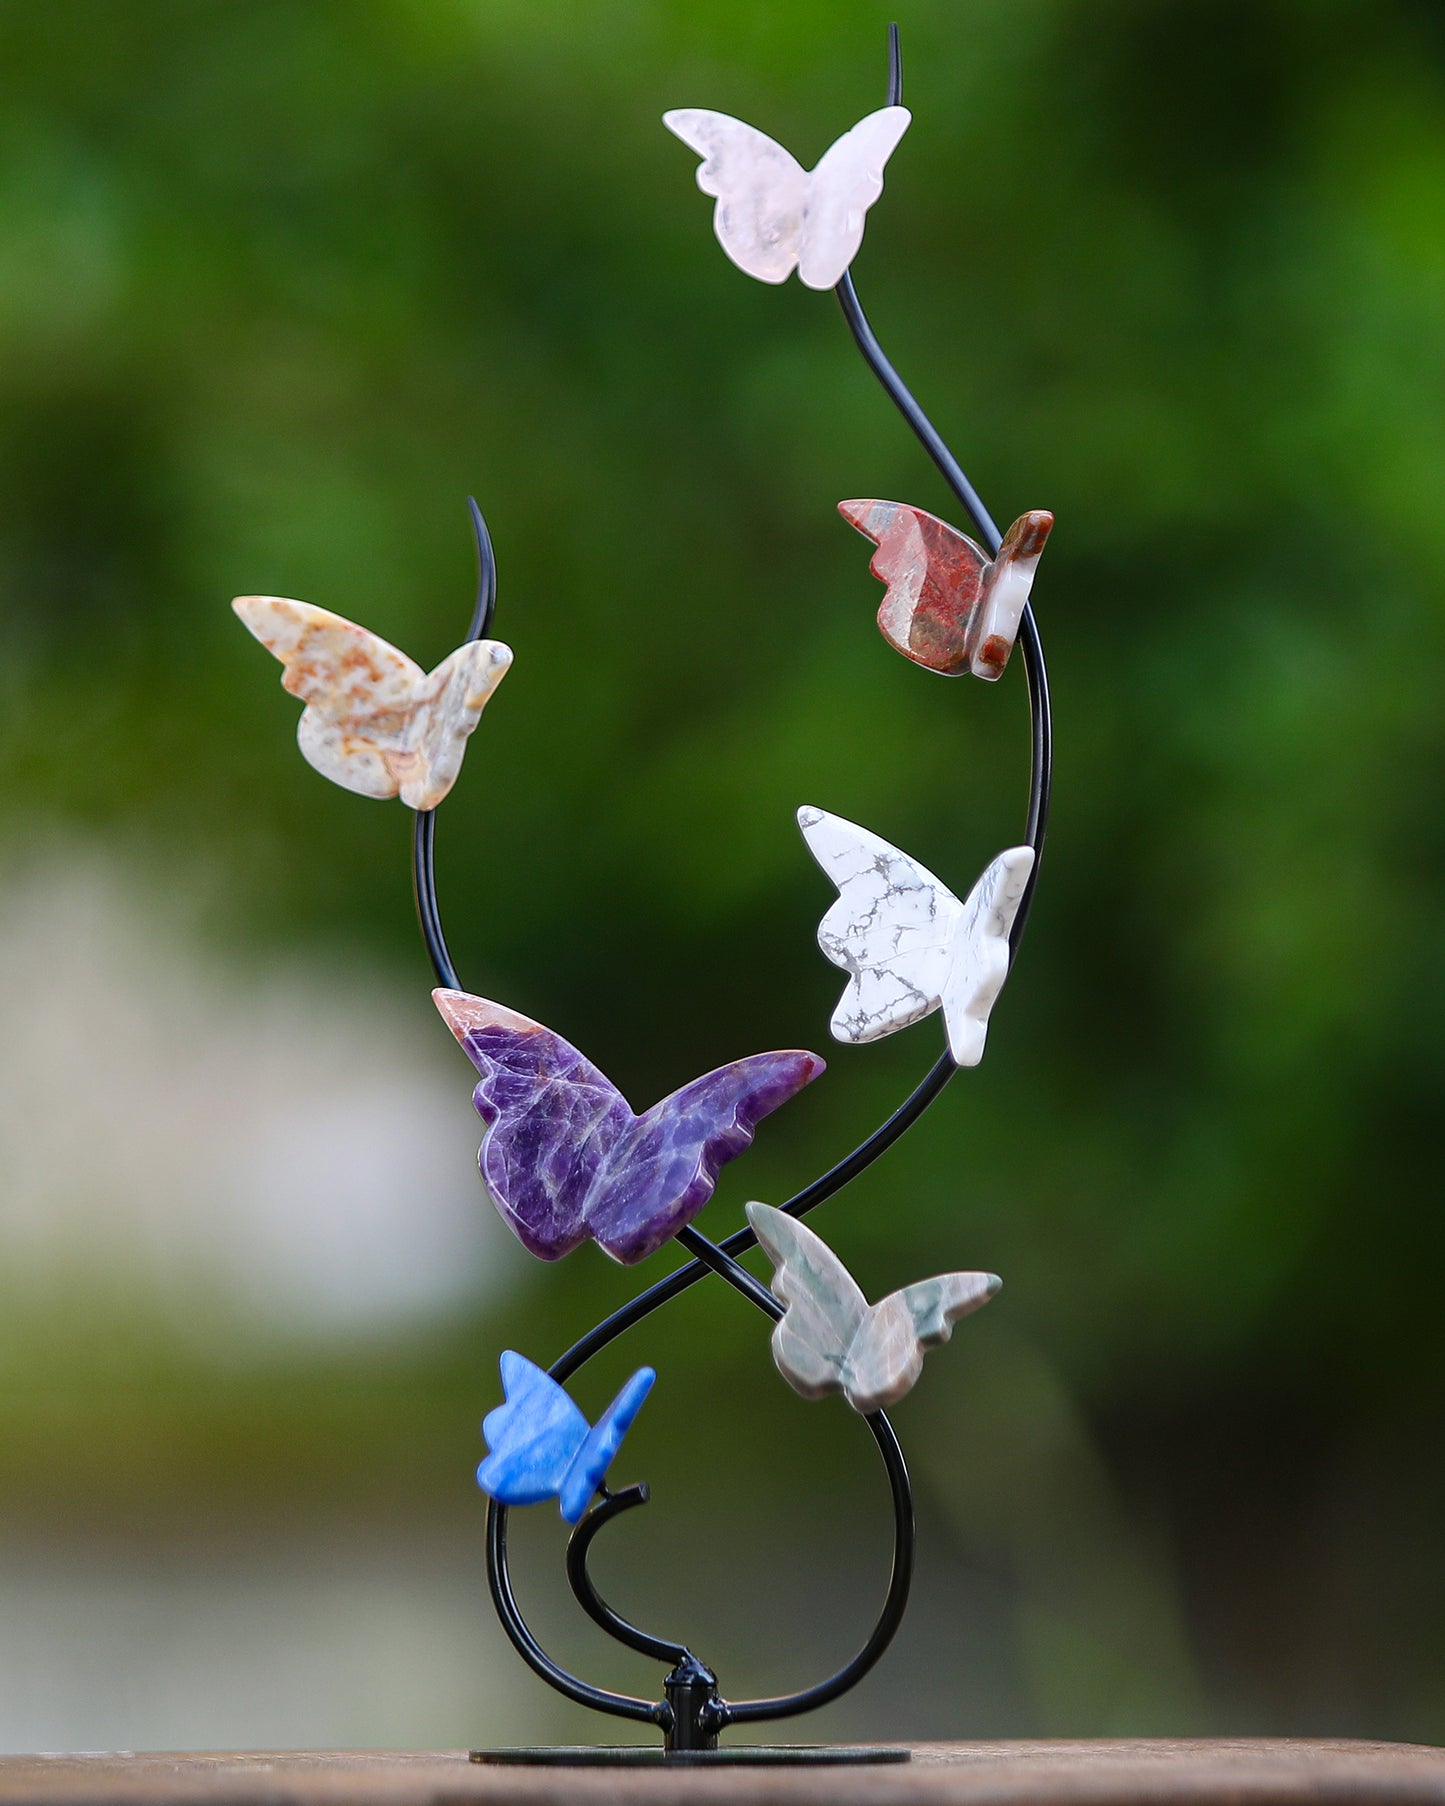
774	216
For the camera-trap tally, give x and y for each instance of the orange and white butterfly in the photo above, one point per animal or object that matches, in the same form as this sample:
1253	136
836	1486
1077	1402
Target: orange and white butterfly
374	721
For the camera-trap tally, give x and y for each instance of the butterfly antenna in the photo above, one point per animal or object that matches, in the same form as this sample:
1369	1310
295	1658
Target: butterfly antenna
486	604
895	67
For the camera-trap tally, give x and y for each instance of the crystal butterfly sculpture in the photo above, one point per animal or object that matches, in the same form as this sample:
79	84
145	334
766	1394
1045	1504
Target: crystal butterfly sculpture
374	721
907	942
565	1159
830	1339
539	1444
949	606
772	215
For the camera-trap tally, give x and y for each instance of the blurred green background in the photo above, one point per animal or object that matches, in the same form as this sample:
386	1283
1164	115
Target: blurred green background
279	285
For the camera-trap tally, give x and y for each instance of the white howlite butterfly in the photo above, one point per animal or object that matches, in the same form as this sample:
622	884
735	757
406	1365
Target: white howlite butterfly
772	215
830	1339
907	943
374	721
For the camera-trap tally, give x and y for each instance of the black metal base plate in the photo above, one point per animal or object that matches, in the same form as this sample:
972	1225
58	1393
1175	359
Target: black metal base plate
652	1755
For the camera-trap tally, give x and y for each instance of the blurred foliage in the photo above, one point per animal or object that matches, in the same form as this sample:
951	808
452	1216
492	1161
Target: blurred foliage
281	283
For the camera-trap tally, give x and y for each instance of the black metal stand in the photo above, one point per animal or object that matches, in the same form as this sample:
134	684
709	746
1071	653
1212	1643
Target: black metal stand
692	1712
650	1755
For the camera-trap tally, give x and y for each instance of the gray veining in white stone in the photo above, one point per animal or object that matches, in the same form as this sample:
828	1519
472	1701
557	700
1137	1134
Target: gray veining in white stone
906	942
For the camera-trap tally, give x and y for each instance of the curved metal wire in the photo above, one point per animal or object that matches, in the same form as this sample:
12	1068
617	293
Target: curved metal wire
584	1589
423	845
721	1258
900	1581
900	1577
719	1712
1031	648
581	1693
1036	824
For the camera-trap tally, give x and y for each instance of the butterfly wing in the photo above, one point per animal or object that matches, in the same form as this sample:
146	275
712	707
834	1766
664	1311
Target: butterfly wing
839	192
887	1354
551	1119
891	928
590	1464
1006	588
824	1308
359	691
565	1159
978	956
663	1169
934	574
449	705
760	190
533	1439
374	722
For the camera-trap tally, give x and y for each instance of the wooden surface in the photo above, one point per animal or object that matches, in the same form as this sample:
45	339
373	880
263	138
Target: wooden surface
1246	1772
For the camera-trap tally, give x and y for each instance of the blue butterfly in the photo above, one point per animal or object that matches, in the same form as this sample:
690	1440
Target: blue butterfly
539	1444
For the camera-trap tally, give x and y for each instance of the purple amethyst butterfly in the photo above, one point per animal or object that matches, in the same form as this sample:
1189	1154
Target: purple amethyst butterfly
563	1156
